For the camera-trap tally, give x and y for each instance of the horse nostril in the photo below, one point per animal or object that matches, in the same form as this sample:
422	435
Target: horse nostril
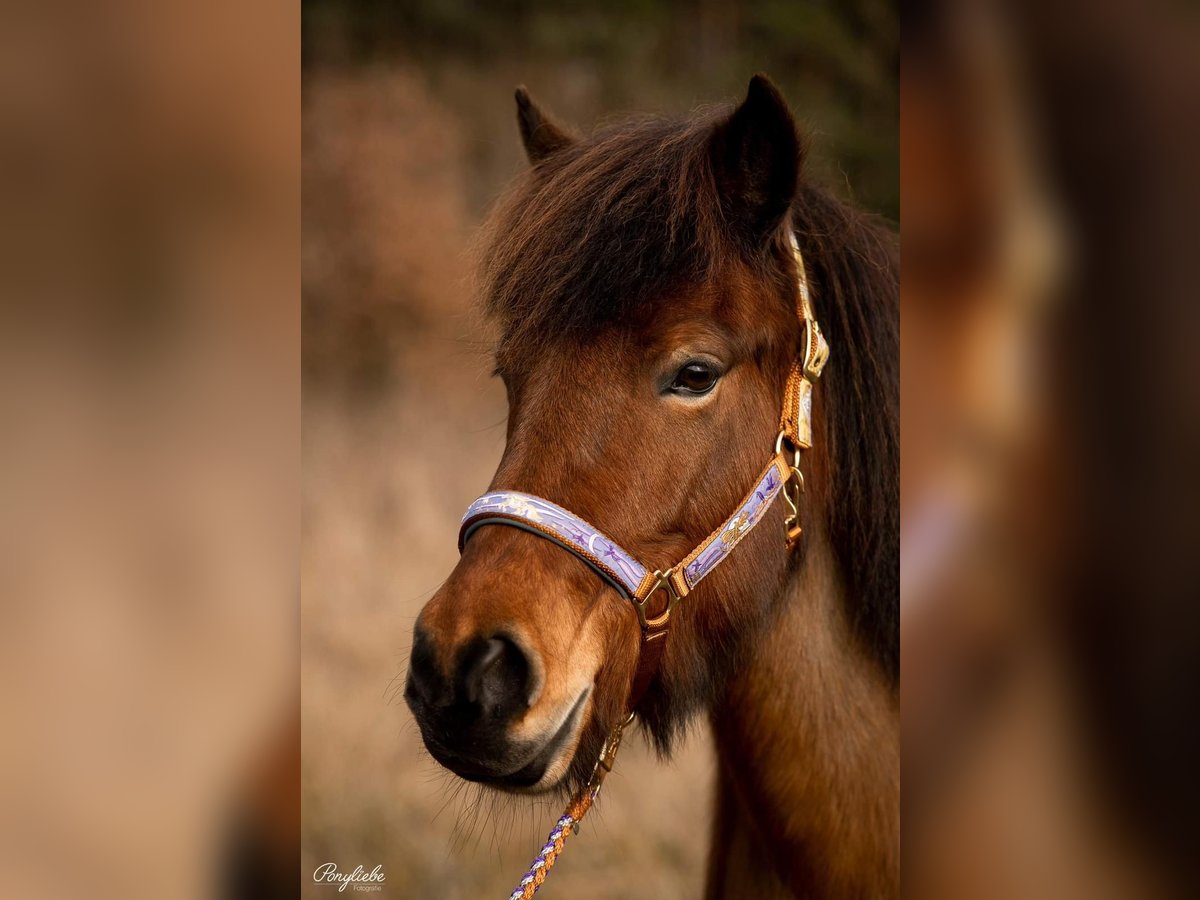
425	682
477	660
493	674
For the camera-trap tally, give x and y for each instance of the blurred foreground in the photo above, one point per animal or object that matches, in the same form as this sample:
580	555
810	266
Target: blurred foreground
149	472
1049	638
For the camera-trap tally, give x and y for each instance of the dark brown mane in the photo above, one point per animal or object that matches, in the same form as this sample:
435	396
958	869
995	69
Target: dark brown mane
600	229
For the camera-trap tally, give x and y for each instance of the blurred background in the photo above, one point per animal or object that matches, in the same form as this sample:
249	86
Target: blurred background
409	133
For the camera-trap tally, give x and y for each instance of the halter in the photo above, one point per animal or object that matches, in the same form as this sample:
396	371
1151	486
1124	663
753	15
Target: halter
636	582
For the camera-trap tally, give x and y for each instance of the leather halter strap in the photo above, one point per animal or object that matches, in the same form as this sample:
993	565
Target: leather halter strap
795	422
619	568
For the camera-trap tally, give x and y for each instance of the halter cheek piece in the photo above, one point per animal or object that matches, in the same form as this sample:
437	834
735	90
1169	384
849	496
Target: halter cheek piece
637	583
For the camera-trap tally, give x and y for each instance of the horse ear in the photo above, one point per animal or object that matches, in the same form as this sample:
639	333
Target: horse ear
756	158
539	132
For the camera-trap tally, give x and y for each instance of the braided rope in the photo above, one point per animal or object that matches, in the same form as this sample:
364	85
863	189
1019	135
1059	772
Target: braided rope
563	828
568	823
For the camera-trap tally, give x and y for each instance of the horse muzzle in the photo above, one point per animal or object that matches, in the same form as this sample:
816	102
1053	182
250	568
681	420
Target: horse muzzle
473	719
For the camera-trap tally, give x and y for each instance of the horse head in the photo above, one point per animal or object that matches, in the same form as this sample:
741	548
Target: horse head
645	291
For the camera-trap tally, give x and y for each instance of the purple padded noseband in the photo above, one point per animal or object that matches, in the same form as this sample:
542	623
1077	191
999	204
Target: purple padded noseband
604	555
551	521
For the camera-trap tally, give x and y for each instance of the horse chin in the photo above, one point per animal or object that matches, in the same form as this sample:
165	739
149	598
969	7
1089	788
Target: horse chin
550	764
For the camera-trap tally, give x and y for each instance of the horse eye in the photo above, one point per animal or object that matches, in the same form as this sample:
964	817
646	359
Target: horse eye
695	378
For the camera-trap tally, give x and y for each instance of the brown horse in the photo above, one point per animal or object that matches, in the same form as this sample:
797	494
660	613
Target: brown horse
645	292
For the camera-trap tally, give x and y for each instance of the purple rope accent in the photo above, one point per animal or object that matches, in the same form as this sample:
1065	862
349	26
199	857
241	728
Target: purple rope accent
559	827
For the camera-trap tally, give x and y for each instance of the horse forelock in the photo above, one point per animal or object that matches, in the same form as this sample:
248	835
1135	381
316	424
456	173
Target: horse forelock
602	229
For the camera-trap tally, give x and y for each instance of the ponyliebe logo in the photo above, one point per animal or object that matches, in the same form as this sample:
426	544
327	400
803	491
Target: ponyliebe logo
360	878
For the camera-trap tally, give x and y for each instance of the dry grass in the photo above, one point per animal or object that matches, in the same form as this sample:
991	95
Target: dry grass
386	477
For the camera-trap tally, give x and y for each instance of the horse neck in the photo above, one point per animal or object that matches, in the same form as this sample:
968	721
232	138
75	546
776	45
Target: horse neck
808	742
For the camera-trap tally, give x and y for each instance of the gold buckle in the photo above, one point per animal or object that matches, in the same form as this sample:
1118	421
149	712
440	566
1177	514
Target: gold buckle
792	489
608	757
816	349
662	580
608	753
791	495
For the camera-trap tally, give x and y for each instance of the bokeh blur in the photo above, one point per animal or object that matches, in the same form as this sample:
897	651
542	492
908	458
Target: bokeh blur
1049	413
149	401
409	133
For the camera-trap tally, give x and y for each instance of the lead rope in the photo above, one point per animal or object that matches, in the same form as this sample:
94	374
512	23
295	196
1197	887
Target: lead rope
795	428
568	823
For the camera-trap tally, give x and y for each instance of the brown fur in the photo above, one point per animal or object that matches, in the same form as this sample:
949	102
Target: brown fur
614	260
810	808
